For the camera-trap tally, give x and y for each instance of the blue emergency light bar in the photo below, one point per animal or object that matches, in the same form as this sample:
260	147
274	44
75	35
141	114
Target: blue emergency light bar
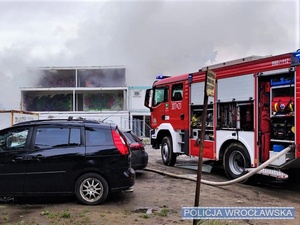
296	58
160	77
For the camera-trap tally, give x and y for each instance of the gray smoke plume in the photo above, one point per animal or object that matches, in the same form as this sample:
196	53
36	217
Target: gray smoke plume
148	38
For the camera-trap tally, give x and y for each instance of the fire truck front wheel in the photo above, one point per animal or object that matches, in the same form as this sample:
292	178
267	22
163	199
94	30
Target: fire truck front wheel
167	155
236	159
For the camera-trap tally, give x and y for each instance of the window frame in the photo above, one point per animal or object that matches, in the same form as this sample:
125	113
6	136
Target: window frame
177	88
164	95
105	142
9	133
57	145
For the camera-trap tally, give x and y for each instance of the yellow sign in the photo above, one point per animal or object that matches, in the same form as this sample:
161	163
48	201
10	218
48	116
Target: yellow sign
210	83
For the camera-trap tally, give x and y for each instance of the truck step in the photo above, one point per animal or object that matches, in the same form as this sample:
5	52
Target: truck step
270	173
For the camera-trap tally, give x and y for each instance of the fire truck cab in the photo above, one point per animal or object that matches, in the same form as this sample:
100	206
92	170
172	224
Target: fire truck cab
250	119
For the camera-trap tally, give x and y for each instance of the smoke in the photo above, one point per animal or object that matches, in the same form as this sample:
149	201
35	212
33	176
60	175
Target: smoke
163	37
146	37
14	74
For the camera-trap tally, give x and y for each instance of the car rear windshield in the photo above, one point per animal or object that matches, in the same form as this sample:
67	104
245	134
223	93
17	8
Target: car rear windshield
130	138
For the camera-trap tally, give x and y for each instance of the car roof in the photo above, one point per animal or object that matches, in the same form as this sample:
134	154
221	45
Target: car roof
69	121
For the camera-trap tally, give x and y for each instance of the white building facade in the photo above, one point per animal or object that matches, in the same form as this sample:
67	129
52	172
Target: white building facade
96	93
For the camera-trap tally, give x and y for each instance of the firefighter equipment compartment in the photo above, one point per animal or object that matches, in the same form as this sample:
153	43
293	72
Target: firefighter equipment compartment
277	116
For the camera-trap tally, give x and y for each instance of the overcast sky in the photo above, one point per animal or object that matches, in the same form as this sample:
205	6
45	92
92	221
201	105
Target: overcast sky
147	37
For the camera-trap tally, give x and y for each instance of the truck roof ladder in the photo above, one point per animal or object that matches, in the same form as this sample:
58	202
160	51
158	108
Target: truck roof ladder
233	62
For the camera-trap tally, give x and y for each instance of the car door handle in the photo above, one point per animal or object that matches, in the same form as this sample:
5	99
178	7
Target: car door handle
38	157
17	158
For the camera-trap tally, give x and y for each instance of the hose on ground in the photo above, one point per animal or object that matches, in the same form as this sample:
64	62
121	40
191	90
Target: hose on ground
224	183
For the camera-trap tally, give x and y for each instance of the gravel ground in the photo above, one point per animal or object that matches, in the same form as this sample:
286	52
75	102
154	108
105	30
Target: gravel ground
157	199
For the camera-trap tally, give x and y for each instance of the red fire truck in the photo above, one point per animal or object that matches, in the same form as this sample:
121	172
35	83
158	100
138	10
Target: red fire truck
251	118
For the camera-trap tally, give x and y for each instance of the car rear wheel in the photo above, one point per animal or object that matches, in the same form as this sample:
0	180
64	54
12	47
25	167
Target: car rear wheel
91	189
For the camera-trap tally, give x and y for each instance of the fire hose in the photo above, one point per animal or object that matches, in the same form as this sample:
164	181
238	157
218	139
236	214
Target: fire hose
224	183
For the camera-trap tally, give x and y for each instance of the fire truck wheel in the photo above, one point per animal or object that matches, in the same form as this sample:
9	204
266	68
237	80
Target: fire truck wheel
167	155
236	159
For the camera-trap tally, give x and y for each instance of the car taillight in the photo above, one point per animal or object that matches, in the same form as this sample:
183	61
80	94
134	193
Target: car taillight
136	146
120	143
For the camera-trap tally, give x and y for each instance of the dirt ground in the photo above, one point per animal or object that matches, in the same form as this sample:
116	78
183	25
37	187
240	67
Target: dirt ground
157	199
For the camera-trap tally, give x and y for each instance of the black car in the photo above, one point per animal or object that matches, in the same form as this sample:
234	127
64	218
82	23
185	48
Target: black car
139	156
64	157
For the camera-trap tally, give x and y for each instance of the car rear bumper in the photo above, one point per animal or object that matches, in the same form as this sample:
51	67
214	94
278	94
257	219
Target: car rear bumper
128	180
139	159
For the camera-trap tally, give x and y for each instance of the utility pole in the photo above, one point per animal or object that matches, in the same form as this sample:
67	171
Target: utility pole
209	90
